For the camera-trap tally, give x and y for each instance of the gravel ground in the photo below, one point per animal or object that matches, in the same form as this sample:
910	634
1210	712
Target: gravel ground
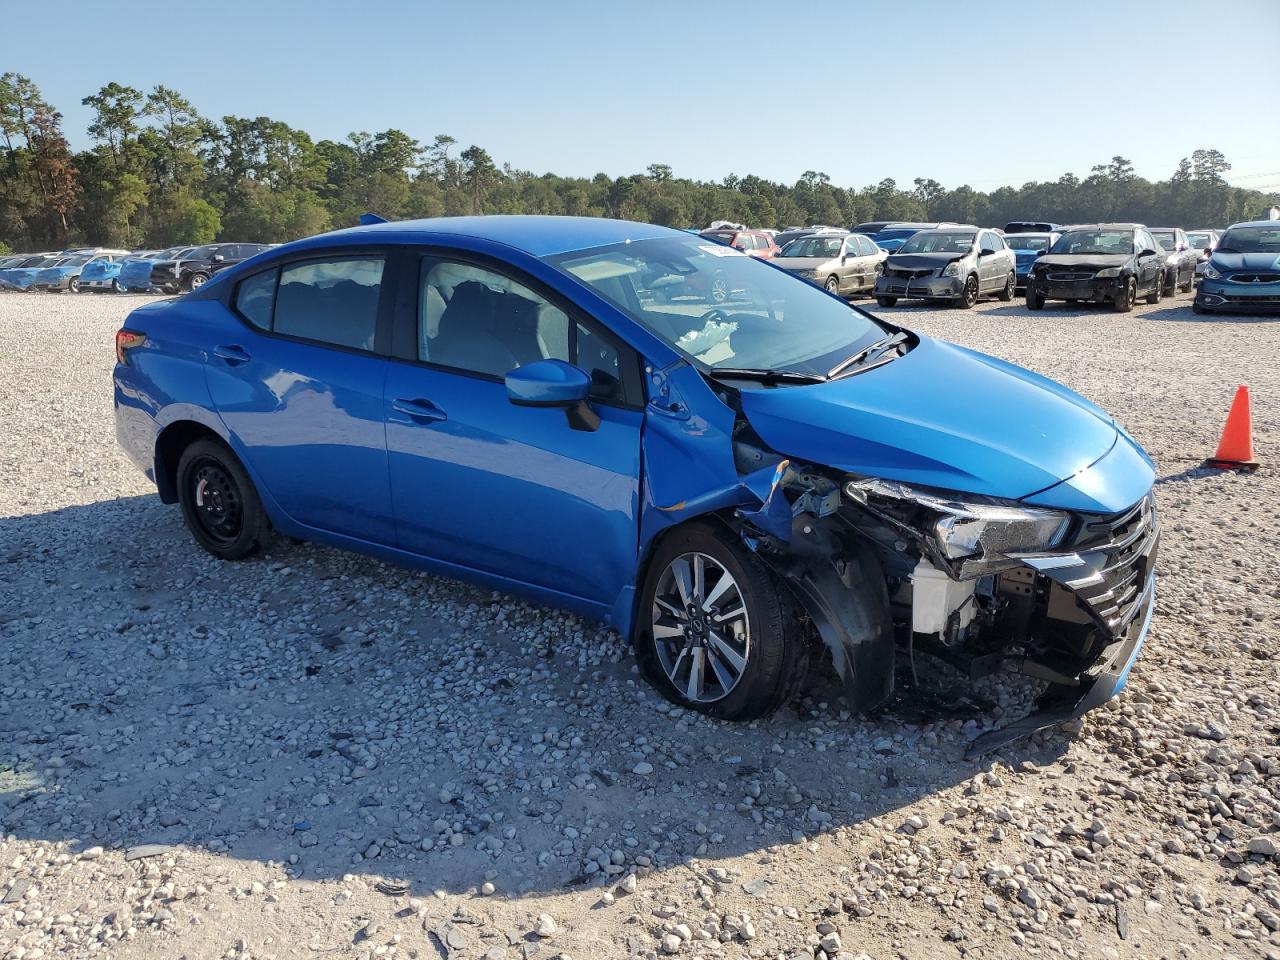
314	753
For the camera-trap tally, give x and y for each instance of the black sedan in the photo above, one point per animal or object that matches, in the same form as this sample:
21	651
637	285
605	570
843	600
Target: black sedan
1102	263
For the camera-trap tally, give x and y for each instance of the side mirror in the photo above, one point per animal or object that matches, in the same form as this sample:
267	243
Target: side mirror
554	383
1147	253
218	258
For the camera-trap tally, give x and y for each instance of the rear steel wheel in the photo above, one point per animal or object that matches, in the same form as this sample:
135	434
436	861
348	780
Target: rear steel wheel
219	503
701	629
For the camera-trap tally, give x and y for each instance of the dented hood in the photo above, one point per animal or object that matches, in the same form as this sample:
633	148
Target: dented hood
939	416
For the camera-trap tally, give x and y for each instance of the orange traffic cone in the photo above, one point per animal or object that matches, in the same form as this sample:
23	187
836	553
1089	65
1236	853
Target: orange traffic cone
1235	449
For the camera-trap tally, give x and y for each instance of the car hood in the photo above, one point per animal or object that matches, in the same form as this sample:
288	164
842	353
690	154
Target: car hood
1086	261
921	261
1246	261
939	416
101	269
800	263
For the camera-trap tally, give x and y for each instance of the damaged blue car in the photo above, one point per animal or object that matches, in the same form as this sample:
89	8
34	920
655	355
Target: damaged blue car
741	488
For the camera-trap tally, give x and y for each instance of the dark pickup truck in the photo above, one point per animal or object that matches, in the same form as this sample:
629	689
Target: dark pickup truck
191	271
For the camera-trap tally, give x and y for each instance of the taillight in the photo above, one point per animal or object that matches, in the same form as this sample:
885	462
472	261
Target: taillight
126	340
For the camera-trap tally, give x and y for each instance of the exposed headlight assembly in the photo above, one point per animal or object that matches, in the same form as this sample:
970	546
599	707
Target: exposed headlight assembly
952	269
1108	273
975	536
1211	272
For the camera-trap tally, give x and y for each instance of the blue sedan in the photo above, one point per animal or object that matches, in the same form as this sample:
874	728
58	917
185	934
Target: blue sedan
735	487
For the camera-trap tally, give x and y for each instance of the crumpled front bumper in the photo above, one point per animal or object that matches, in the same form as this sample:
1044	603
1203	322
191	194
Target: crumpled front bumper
923	288
1110	674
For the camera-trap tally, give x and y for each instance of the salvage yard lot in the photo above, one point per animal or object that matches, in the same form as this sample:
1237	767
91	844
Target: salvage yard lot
310	732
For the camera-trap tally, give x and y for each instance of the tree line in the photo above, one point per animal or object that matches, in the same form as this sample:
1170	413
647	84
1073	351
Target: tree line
159	173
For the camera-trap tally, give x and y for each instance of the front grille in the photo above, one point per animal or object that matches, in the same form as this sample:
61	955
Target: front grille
908	274
1070	277
1254	278
1247	299
1122	551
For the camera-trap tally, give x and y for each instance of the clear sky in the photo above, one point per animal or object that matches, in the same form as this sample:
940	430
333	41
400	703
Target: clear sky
984	93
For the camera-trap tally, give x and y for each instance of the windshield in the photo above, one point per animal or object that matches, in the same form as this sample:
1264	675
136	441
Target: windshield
824	247
1023	241
1261	239
723	308
1100	242
949	242
1166	238
1199	240
899	234
74	262
199	253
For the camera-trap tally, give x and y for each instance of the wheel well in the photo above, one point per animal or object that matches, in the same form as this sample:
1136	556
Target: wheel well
169	446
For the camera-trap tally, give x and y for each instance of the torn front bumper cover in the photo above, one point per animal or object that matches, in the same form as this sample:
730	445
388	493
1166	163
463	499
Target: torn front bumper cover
1104	679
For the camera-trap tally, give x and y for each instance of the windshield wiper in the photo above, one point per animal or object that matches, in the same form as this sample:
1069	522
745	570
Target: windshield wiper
766	376
869	354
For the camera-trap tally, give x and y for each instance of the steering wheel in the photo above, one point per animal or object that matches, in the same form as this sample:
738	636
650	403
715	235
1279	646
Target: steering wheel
715	313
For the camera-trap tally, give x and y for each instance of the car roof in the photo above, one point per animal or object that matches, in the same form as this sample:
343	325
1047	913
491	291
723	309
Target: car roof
1104	226
1256	223
538	236
951	228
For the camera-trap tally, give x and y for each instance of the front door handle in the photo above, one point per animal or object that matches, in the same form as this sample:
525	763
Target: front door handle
231	353
418	410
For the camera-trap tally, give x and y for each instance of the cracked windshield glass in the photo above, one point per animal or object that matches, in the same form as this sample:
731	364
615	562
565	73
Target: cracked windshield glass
723	308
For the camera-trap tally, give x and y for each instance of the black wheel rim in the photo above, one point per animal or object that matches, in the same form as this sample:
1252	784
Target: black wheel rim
1131	294
971	291
215	501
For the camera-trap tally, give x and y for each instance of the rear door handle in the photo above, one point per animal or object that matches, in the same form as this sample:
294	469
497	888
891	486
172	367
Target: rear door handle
232	354
419	411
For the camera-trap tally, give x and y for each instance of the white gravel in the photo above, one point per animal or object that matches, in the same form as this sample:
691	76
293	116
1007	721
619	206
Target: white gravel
315	753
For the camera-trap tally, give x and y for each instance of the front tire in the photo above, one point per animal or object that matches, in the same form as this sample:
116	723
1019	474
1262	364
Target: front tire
833	285
1191	279
219	502
887	301
195	281
1128	297
73	285
715	631
1009	286
1035	301
969	297
116	288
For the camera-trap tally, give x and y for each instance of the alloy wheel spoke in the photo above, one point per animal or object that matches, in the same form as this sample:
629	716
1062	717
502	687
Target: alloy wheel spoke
684	580
723	676
696	665
731	614
725	651
723	584
663	631
699	577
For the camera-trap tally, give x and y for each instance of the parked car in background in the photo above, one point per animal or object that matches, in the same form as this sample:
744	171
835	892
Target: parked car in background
1204	242
795	233
1027	248
896	234
1243	275
755	243
65	274
1104	263
844	264
793	474
196	265
22	276
135	269
870	228
102	274
958	264
1030	226
1180	258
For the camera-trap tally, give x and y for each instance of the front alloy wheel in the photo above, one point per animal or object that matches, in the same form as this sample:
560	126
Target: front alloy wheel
970	295
1127	297
833	286
701	630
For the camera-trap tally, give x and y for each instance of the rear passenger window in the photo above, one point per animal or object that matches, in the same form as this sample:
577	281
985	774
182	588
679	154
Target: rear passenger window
331	301
256	297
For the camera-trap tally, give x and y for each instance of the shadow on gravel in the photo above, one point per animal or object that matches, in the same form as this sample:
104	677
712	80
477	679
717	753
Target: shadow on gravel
1184	314
363	718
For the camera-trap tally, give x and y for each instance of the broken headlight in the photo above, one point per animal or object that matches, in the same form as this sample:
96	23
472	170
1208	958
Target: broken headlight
975	536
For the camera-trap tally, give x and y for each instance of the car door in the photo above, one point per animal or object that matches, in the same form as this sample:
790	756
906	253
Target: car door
989	263
511	491
1150	260
297	376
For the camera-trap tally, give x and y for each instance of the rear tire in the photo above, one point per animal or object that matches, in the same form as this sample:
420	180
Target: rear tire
219	502
886	301
1009	286
767	655
1156	295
